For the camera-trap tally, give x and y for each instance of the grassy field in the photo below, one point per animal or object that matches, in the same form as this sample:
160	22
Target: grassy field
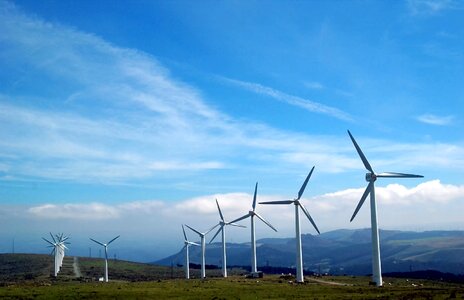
26	276
236	287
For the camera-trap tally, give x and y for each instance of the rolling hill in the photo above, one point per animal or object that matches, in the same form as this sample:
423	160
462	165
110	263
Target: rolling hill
347	252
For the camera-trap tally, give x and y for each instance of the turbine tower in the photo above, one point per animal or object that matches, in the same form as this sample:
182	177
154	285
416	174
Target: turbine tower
298	205
252	215
203	247
371	177
187	244
106	254
59	246
222	224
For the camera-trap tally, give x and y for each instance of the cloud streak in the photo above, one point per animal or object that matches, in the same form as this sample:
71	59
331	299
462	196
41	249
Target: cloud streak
435	120
306	104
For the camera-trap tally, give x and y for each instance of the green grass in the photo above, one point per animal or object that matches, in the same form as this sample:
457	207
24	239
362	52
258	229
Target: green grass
271	287
26	276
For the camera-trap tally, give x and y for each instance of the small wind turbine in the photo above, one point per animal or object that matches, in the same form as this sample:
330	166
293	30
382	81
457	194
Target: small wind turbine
106	254
222	224
252	215
298	204
187	244
203	247
58	245
371	177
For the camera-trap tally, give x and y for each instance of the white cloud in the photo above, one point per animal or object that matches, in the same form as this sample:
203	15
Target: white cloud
314	85
306	104
203	209
91	211
435	120
432	7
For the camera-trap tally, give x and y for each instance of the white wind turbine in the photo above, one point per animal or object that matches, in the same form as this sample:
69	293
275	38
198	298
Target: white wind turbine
222	224
298	204
203	247
106	254
187	244
252	215
371	177
59	246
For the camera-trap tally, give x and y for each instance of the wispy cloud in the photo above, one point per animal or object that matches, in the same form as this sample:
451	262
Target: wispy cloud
110	114
314	85
306	104
432	7
435	120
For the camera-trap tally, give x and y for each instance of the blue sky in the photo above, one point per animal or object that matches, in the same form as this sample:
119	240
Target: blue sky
143	112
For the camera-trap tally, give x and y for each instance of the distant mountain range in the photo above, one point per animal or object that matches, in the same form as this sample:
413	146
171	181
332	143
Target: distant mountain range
346	252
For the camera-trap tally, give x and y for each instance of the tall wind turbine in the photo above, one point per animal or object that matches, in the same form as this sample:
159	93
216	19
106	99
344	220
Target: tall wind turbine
58	245
252	215
106	254
298	205
371	177
222	224
203	247
187	244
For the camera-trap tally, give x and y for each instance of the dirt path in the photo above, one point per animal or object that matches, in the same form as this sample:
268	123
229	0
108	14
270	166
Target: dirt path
77	270
328	282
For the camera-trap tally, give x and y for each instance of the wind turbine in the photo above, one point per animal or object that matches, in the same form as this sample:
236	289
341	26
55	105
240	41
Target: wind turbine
58	245
106	254
298	204
371	177
203	247
187	244
252	215
222	224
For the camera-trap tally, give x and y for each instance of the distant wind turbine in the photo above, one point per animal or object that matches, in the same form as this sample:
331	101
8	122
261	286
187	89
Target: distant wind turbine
251	214
187	244
59	246
298	204
106	254
371	177
203	247
222	224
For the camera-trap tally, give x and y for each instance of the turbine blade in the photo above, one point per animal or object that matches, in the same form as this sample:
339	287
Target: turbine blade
361	154
97	242
254	196
300	193
220	212
309	217
47	241
215	235
185	235
193	243
53	238
112	240
265	222
194	230
209	230
363	198
278	202
241	218
236	225
398	175
53	251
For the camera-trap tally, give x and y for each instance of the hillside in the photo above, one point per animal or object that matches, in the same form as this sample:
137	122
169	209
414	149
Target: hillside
347	252
39	267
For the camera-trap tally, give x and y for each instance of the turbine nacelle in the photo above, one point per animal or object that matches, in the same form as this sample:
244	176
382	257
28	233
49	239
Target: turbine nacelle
371	177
